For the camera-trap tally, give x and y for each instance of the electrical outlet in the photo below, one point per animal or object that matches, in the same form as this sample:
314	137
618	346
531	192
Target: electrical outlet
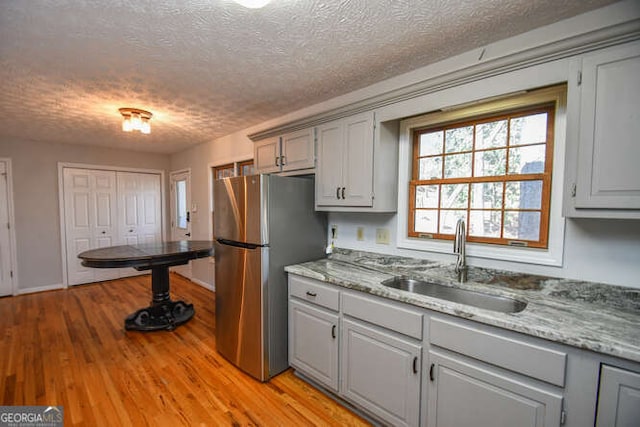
334	231
382	236
360	233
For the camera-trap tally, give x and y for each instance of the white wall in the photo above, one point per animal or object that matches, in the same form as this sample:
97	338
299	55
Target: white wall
36	207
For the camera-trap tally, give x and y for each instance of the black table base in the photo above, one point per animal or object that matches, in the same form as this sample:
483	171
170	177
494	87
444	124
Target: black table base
162	313
156	317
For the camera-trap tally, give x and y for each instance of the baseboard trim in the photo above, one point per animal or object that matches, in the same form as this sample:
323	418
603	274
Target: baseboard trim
211	287
54	287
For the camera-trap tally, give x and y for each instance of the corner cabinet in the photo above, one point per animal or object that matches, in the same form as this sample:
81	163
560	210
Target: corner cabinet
604	149
292	151
357	165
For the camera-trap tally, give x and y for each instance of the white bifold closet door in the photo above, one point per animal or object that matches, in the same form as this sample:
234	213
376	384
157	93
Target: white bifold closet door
138	211
108	208
90	210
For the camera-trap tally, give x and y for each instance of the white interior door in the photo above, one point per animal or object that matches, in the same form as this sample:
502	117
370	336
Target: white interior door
139	211
180	213
90	220
6	280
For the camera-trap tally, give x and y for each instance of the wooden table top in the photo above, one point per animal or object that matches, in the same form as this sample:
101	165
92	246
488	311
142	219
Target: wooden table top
146	254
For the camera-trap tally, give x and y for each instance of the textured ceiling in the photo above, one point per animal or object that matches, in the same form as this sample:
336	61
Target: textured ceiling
207	68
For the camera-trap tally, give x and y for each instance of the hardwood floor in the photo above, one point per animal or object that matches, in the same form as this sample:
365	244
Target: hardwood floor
69	348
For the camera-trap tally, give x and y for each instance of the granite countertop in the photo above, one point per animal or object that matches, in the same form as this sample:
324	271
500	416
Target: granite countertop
593	316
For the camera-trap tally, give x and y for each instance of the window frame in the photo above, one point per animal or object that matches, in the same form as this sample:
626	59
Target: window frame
457	103
545	176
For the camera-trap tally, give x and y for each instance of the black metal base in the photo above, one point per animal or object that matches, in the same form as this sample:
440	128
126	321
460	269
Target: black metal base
163	316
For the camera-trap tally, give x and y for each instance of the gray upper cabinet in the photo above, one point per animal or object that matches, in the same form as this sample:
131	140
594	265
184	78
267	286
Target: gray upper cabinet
357	167
618	398
292	151
603	144
345	162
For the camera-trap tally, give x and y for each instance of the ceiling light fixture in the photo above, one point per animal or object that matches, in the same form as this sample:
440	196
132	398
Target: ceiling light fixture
253	4
136	119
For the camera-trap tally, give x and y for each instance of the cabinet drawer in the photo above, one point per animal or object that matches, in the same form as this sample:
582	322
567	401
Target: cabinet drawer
380	313
314	292
519	356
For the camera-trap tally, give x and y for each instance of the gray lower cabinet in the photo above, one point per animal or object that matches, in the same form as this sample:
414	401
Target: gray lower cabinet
618	398
313	342
464	393
381	373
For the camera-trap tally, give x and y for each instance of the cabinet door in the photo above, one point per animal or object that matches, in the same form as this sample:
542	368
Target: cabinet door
608	176
330	161
267	155
313	343
381	373
358	160
618	398
464	394
298	150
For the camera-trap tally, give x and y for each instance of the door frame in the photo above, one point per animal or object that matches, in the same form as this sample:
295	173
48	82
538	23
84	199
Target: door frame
63	236
13	259
184	270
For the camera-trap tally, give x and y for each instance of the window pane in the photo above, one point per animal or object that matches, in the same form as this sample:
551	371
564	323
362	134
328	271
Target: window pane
528	129
449	218
430	167
486	195
431	143
485	223
426	221
493	134
527	159
457	165
246	169
427	196
523	195
490	163
522	225
455	196
459	139
181	204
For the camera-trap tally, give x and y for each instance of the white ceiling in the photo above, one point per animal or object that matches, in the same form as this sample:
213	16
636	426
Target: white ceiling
207	68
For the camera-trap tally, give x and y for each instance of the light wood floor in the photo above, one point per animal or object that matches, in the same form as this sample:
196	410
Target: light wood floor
69	348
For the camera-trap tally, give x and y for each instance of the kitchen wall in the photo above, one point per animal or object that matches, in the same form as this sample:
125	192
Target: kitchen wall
36	206
594	250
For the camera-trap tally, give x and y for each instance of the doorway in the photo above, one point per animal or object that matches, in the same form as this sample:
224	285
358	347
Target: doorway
181	213
7	248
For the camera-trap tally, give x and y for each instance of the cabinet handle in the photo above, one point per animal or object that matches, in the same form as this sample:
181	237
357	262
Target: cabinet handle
131	231
338	193
311	294
431	377
342	193
104	232
415	365
277	158
333	331
283	160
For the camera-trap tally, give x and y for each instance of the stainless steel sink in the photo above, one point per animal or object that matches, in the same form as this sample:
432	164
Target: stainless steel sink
457	295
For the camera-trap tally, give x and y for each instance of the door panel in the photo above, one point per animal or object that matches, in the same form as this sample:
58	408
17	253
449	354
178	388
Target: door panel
6	284
239	307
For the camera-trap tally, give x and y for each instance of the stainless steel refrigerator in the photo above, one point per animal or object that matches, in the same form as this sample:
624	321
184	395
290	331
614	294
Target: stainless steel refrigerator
261	224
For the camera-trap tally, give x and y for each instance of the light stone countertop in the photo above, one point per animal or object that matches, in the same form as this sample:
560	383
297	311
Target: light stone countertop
592	316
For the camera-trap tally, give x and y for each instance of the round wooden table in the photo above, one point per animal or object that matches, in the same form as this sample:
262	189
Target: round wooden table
163	313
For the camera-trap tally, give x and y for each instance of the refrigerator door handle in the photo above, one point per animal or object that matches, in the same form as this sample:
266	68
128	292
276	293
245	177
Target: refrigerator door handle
242	245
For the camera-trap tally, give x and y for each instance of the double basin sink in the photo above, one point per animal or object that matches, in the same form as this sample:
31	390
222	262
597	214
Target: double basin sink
457	295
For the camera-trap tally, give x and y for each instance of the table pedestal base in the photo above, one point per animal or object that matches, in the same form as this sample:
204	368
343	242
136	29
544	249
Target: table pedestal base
166	315
162	313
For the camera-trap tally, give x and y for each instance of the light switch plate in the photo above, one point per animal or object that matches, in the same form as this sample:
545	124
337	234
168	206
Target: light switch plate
360	233
382	236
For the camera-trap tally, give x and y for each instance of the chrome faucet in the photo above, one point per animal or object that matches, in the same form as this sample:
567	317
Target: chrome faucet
459	243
